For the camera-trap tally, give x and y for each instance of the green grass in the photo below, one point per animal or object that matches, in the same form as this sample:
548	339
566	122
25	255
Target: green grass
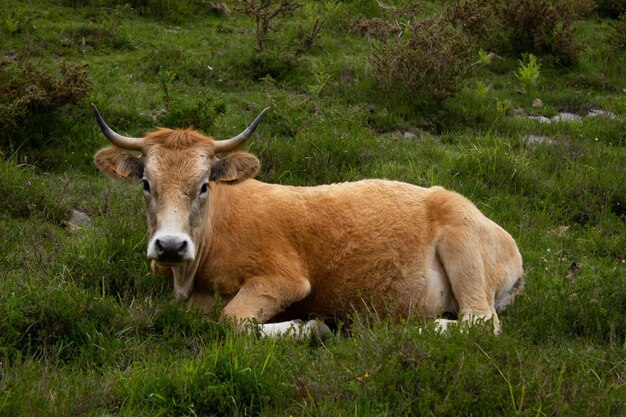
86	329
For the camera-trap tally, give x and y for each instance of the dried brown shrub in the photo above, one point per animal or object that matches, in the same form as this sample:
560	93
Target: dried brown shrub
376	28
428	63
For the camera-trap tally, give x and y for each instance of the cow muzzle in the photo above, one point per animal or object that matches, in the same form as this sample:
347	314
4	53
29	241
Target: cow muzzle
171	249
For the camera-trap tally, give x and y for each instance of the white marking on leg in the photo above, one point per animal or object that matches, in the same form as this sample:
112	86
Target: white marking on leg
294	329
441	325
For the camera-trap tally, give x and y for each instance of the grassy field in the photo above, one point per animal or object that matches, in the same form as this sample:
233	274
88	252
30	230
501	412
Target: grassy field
86	329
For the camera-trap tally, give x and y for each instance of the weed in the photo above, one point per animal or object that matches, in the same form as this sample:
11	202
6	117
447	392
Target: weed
528	72
166	77
321	77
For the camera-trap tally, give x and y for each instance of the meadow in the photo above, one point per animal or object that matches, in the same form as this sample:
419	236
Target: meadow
460	93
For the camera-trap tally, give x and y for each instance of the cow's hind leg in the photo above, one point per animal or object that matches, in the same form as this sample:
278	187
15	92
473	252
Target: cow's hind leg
463	263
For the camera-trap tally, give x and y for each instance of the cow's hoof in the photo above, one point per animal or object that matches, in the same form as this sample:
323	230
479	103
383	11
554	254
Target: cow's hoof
318	329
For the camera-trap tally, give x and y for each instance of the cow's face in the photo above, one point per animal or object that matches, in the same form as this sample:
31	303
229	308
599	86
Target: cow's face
177	170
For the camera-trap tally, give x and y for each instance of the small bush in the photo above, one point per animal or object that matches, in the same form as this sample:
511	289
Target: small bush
477	18
542	27
33	95
428	63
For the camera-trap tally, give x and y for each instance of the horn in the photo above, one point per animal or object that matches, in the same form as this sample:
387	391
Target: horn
235	142
116	139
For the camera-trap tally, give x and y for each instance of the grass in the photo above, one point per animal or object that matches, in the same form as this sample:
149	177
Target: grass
86	329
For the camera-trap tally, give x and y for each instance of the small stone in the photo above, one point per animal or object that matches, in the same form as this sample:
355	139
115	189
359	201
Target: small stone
538	139
537	102
410	136
567	117
78	220
540	119
601	113
519	112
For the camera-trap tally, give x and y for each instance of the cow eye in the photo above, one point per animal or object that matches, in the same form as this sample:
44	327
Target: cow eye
204	188
146	186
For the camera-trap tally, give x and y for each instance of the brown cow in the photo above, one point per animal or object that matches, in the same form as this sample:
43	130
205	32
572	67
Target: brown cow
280	252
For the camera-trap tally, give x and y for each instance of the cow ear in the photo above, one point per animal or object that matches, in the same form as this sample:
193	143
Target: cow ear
235	167
118	163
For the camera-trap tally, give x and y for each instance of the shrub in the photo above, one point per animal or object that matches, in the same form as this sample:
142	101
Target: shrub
611	8
542	27
34	95
392	22
428	63
617	38
477	18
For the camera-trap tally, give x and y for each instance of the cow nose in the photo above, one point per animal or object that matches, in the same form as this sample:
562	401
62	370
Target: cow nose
171	249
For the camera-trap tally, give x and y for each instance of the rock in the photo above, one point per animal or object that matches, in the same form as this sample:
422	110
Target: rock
519	112
78	220
538	139
601	113
537	102
410	136
567	117
540	119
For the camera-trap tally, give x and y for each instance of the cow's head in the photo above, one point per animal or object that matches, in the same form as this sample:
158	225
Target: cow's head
176	168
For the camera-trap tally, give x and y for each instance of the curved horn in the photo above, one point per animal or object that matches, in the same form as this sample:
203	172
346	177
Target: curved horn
235	142
116	139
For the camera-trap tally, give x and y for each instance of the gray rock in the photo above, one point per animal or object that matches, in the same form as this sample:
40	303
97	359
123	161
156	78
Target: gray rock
78	220
540	119
567	117
538	139
601	113
410	136
537	102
